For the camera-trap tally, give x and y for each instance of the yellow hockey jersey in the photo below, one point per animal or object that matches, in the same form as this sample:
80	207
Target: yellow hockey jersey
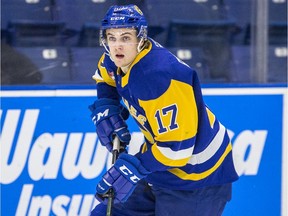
186	146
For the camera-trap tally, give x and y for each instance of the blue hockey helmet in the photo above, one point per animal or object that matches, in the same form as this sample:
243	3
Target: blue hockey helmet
124	16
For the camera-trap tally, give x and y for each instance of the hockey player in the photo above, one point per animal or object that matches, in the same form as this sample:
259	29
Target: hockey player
185	166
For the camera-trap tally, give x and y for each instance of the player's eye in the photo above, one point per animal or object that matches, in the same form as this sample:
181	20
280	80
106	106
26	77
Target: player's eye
111	39
126	38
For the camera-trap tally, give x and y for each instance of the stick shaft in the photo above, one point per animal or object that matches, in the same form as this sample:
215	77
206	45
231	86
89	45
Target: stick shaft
109	205
115	153
116	147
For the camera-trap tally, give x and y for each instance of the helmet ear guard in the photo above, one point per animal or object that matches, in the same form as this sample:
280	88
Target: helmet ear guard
143	32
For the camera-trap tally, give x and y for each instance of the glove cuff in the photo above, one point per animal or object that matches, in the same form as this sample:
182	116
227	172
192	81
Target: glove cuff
135	162
104	102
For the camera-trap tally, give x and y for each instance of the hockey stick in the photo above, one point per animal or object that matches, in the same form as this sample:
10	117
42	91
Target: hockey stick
115	153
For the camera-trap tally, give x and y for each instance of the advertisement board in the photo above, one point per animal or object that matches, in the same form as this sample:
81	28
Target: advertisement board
51	159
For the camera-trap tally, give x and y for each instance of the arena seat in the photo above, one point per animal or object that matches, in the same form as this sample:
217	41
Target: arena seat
52	62
4	36
30	23
241	64
37	10
278	22
194	57
241	12
277	19
212	36
278	33
84	17
191	33
278	52
36	33
89	35
277	64
77	16
277	10
84	61
77	12
162	12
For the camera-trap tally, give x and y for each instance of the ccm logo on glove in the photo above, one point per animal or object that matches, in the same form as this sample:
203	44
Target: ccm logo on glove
107	116
99	115
122	177
128	172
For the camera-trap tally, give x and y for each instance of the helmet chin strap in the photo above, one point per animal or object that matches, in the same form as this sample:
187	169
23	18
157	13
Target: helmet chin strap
104	44
140	46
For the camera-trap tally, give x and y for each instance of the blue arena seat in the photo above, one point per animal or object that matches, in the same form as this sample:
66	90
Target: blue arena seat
278	11
162	12
4	36
37	10
278	33
84	17
52	62
214	37
84	63
277	64
241	12
89	35
194	57
193	33
36	33
278	22
31	23
241	64
77	12
77	16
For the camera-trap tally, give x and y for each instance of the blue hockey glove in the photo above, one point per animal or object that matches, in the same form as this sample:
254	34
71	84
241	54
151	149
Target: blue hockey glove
108	116
122	177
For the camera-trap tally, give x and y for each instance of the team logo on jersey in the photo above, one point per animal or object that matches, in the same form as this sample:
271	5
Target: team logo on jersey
142	121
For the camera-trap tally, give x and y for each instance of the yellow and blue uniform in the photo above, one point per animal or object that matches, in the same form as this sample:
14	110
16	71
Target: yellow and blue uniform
186	147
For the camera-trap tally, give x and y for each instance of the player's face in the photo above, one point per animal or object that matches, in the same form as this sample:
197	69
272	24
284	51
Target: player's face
122	44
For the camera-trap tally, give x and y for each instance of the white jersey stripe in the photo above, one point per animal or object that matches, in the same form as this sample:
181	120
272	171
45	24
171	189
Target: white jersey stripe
176	155
211	150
